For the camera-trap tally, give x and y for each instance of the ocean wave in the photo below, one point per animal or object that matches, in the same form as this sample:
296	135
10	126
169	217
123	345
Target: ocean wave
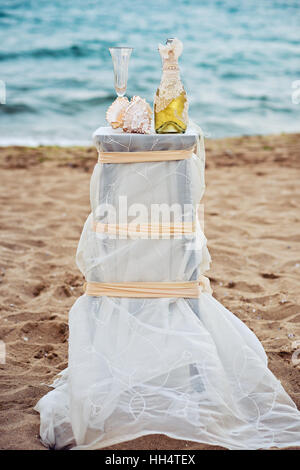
17	108
58	104
76	105
92	101
43	141
72	51
237	75
4	14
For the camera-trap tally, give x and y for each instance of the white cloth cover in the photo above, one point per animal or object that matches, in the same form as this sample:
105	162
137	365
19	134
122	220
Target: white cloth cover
186	368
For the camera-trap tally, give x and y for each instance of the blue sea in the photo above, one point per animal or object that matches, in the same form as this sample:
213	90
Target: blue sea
238	65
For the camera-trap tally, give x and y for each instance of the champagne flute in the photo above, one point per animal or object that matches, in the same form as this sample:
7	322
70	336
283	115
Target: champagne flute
120	57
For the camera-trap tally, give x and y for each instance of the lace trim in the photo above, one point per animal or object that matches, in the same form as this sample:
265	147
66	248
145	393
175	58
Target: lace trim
170	87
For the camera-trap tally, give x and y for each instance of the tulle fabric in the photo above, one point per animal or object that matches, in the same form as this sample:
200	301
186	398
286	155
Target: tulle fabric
186	368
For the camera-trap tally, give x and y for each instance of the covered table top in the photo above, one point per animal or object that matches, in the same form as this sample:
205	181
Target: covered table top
107	139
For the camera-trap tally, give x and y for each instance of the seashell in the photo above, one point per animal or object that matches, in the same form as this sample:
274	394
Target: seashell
116	111
137	117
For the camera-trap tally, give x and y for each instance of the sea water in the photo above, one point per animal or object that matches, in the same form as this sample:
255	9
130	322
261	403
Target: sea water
240	62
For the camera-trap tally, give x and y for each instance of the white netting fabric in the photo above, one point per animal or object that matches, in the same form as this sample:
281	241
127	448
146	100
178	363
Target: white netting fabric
187	368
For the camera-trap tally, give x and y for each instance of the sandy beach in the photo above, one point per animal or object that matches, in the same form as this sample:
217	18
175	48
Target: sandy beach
252	222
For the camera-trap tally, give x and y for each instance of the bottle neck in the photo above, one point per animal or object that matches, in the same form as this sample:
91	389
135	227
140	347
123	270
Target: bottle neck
170	69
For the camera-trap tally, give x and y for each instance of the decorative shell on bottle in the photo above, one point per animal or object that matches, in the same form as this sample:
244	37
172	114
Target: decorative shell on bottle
137	117
116	111
172	50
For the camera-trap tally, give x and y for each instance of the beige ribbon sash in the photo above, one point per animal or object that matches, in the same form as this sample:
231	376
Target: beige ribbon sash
133	229
139	157
189	289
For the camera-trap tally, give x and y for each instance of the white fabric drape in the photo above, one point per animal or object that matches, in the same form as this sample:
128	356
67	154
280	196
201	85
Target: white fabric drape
187	368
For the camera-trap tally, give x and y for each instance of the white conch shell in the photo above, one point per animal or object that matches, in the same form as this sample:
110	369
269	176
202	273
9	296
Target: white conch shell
137	118
175	47
116	111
